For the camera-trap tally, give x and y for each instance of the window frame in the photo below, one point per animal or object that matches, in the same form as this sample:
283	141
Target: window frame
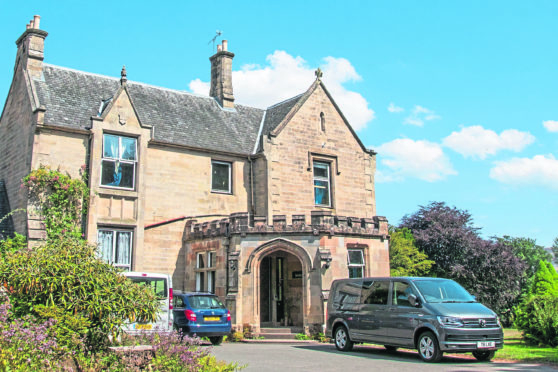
229	164
119	159
355	266
115	231
206	276
322	179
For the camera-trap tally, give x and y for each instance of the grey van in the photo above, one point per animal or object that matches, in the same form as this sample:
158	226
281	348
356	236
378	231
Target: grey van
432	315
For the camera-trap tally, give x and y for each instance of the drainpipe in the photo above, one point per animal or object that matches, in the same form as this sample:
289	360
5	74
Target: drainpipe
252	211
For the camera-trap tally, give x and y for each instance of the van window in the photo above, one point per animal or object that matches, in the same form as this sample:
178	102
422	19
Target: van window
347	295
178	301
401	292
375	292
443	291
158	285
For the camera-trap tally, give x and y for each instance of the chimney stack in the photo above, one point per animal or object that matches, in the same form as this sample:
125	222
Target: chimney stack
221	76
31	48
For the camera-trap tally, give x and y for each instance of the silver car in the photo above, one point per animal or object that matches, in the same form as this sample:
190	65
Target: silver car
432	315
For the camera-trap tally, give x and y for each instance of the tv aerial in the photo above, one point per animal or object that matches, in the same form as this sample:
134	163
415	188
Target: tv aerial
217	34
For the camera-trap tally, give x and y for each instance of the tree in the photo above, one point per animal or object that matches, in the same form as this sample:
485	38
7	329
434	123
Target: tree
404	257
555	250
445	234
488	269
545	281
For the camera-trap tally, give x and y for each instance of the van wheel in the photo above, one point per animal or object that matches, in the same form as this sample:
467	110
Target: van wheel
391	348
428	348
216	340
484	356
342	340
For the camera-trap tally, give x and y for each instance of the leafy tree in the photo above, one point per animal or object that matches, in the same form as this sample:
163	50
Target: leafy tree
537	316
404	256
66	273
555	250
545	281
488	269
445	234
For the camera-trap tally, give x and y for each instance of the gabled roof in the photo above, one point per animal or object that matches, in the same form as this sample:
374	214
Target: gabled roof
284	112
6	224
72	97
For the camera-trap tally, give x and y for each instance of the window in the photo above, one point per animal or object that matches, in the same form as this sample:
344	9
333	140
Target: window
118	168
355	260
375	292
321	184
322	121
401	292
221	176
115	247
205	272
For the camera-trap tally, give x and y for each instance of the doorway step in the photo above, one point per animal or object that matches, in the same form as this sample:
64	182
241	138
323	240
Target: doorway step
278	335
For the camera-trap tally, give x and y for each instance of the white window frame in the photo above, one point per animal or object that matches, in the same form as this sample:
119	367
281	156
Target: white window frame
352	265
318	178
112	260
206	271
119	159
229	164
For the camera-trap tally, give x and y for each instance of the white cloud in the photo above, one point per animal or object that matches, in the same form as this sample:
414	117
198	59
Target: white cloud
416	159
551	125
395	109
286	76
419	115
477	142
541	170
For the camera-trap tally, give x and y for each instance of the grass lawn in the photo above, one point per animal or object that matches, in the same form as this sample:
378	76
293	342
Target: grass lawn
515	349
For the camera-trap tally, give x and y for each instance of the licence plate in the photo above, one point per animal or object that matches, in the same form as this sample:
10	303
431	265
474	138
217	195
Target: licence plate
485	344
143	326
212	318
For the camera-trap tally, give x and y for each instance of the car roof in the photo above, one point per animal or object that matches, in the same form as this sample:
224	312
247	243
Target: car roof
196	294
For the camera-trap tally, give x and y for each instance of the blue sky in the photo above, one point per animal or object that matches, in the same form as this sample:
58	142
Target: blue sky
459	99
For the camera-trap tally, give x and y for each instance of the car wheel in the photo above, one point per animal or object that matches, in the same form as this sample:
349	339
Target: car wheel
391	348
216	340
428	348
342	340
484	355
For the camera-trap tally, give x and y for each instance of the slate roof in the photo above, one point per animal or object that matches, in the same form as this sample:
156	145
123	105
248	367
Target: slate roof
276	113
6	225
71	97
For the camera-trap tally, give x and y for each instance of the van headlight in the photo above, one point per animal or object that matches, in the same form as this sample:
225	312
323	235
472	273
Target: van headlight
449	321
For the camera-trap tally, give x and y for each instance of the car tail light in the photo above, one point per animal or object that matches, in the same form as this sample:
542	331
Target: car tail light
228	316
190	315
170	299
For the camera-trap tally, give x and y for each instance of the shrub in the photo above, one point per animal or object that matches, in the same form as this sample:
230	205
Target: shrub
66	273
302	337
537	317
59	199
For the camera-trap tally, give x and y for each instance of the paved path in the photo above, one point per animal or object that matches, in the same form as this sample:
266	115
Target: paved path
325	358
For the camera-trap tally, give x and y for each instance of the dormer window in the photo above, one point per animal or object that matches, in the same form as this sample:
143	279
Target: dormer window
118	168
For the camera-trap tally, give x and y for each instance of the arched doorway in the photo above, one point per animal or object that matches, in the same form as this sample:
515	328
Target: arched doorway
281	290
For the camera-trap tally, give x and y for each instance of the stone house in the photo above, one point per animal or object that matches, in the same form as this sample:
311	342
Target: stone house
265	208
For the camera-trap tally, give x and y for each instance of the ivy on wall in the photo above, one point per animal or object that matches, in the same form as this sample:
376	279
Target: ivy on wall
60	200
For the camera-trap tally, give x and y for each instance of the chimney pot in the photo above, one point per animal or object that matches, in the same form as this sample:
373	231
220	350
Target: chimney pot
225	43
219	48
28	26
36	21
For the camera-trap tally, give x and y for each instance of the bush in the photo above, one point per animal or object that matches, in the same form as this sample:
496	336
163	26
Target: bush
66	273
538	319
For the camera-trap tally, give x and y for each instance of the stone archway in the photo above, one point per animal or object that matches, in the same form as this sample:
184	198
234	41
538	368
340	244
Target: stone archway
276	302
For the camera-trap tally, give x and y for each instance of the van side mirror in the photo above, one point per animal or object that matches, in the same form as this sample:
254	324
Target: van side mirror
413	300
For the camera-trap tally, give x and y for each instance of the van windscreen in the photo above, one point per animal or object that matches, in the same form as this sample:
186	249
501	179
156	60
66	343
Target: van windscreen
157	285
443	291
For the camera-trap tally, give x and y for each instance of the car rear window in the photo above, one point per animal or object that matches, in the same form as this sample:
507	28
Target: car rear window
205	302
157	285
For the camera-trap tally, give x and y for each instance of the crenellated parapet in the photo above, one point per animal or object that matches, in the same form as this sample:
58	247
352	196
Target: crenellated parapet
321	222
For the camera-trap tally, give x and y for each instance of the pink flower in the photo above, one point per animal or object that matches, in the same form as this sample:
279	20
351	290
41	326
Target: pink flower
65	187
55	178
